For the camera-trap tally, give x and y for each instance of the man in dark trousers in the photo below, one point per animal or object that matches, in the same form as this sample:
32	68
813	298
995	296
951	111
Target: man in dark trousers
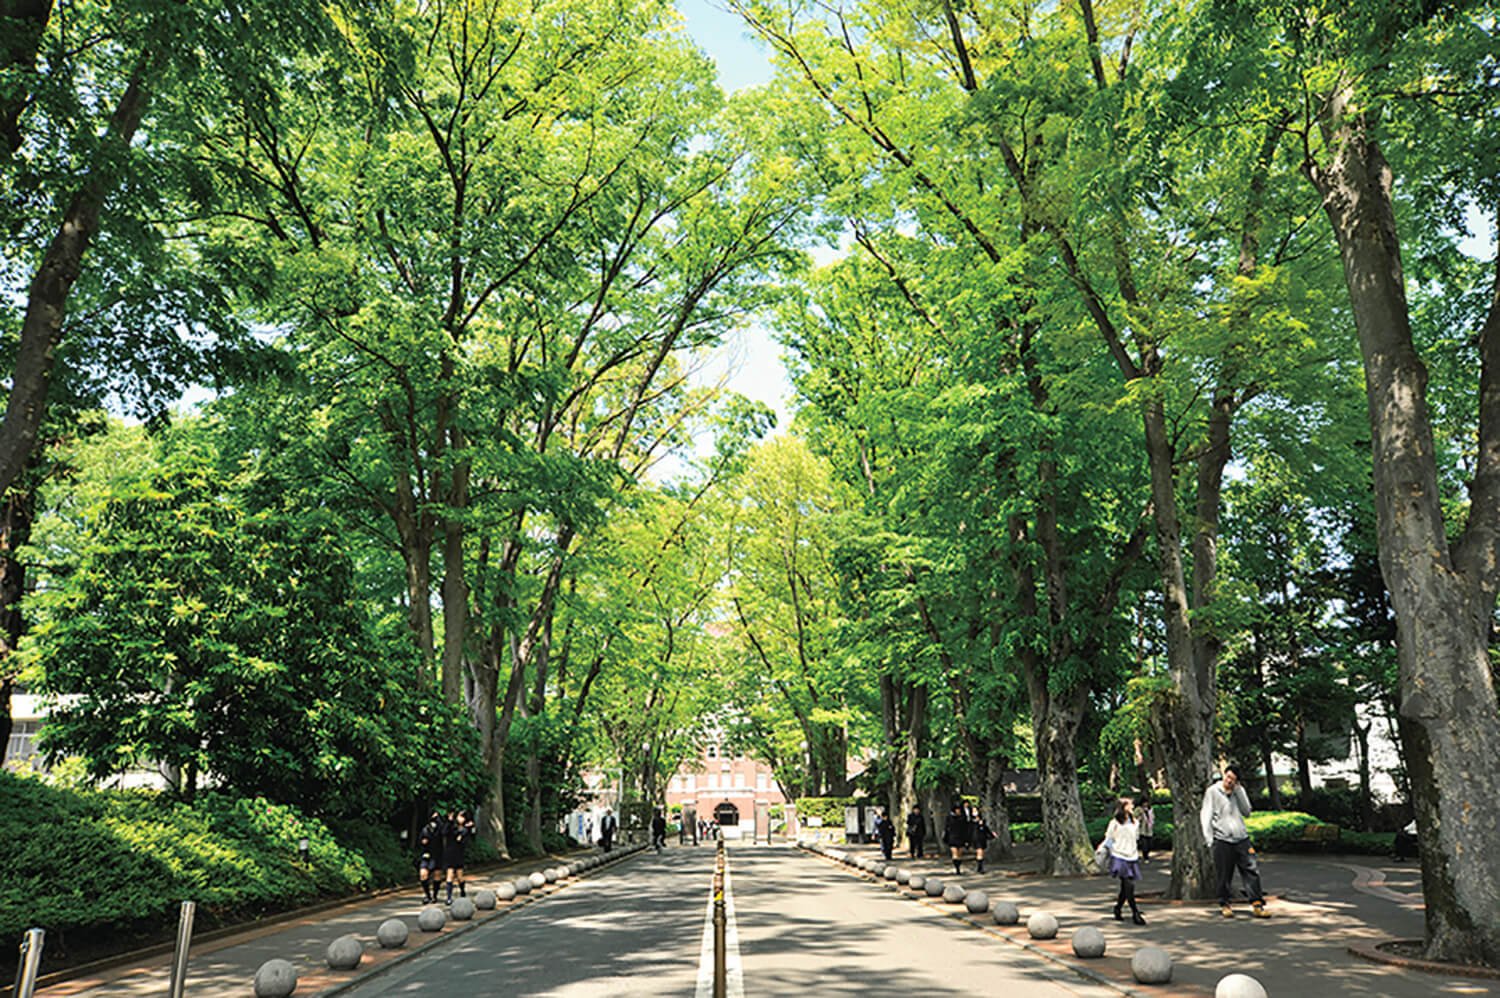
659	831
916	832
607	827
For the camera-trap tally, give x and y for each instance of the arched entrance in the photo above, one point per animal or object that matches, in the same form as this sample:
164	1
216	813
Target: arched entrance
727	815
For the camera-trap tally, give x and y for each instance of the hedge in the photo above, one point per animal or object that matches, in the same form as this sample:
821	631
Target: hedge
119	863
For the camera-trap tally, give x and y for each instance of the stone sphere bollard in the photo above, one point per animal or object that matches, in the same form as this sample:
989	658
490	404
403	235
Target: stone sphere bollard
462	909
1239	986
1006	913
522	885
344	953
933	887
1151	965
889	873
485	899
916	882
1088	942
275	979
538	880
978	902
392	934
506	891
550	874
954	894
1041	925
903	876
432	919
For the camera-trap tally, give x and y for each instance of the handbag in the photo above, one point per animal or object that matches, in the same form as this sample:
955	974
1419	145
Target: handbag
1101	856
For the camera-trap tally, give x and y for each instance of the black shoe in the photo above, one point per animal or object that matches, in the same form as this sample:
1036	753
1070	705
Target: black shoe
1135	916
1118	917
981	866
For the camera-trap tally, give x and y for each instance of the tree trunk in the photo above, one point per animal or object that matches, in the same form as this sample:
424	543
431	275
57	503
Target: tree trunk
1366	797
1304	763
1066	850
1268	765
1184	720
1443	598
992	806
455	586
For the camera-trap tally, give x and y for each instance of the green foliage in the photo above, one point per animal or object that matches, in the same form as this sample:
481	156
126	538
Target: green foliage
135	856
829	809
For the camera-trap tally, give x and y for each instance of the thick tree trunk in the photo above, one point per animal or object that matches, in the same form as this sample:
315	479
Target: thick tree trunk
1066	850
455	585
1184	720
992	806
1444	599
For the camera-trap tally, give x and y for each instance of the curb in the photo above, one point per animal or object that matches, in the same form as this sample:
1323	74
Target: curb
1087	973
1373	953
445	935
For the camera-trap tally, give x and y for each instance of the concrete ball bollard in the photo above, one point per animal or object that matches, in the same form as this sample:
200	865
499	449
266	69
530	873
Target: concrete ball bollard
485	900
1151	965
1088	942
344	953
551	875
1006	913
934	887
462	909
275	979
538	880
392	934
978	902
954	894
1042	925
522	885
916	882
506	892
432	919
903	876
1239	986
889	873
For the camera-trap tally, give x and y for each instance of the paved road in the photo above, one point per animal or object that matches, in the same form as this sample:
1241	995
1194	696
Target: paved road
802	927
633	930
808	928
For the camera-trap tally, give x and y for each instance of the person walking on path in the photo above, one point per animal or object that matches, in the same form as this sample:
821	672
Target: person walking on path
885	831
916	832
659	831
1225	808
607	828
430	856
1122	839
1146	819
456	839
956	834
983	835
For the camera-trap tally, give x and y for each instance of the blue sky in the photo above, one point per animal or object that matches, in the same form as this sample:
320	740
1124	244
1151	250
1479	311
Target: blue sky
750	358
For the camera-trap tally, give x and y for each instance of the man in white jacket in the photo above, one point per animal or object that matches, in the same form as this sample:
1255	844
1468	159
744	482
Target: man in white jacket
1225	808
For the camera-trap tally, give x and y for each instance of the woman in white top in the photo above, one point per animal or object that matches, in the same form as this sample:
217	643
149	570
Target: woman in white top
1122	840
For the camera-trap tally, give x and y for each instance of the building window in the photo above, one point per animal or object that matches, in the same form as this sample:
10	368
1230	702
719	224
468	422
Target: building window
713	781
760	781
692	781
739	780
712	751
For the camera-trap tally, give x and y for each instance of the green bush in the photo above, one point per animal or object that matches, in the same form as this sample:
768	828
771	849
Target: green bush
133	856
830	809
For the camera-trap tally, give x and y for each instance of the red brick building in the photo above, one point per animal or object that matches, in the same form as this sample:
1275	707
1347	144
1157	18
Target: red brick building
724	787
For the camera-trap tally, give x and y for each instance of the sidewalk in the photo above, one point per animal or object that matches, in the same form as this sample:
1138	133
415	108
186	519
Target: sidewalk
227	965
1320	905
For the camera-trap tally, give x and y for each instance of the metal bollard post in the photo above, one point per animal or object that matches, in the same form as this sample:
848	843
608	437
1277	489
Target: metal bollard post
180	955
30	963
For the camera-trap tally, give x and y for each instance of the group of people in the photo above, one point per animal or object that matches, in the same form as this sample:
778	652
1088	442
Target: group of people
964	829
441	845
1128	839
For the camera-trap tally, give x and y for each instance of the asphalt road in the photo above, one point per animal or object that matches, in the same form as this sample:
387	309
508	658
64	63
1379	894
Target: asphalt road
801	927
